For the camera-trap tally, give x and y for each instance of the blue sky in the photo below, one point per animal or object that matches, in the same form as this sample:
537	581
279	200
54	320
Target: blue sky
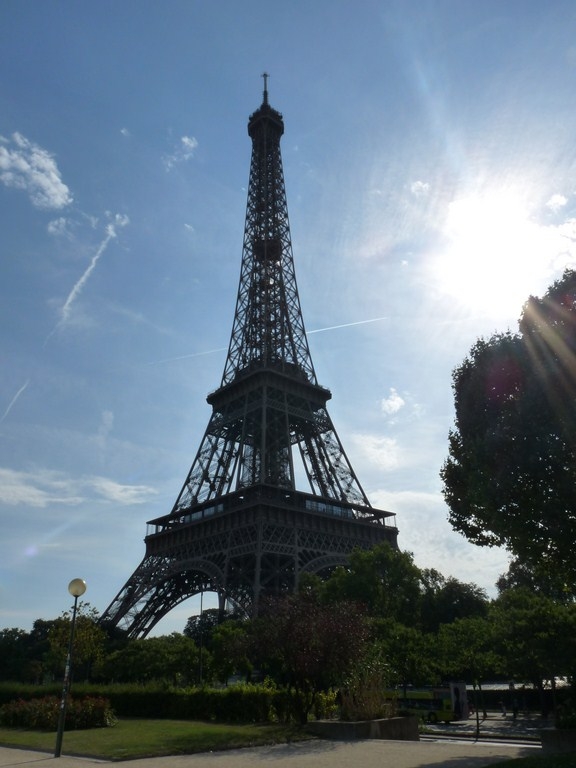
429	159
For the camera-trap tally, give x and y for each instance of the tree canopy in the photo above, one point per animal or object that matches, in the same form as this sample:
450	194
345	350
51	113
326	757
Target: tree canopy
510	477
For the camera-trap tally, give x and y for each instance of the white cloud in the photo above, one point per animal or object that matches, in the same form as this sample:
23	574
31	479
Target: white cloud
383	452
422	519
125	132
420	188
44	488
183	152
556	202
25	165
393	403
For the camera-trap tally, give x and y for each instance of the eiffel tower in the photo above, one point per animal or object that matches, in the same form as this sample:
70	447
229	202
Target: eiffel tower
239	527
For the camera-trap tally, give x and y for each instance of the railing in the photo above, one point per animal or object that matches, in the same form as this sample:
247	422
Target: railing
280	497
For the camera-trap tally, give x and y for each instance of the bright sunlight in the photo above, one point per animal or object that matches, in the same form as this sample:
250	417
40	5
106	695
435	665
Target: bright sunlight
495	255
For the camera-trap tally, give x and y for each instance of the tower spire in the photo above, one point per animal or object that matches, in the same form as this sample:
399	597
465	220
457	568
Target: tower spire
271	493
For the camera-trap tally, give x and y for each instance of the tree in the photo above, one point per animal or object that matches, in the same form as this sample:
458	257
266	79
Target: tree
173	658
386	581
411	654
510	477
307	645
444	600
230	650
535	578
466	652
200	627
13	654
89	640
534	635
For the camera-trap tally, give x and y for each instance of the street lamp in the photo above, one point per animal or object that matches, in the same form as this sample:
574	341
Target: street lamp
77	587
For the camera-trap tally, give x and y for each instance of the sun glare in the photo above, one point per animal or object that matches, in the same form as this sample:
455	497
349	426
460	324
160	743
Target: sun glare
494	254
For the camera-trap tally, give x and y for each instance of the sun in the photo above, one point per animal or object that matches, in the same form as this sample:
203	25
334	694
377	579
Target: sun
494	254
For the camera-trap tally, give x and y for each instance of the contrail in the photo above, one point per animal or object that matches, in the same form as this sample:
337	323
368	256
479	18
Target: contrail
14	399
120	221
223	349
65	311
345	325
185	357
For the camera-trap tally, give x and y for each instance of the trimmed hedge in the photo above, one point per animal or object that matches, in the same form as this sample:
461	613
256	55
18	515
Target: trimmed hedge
242	703
42	713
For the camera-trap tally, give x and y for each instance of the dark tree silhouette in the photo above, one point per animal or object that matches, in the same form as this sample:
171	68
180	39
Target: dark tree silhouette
510	478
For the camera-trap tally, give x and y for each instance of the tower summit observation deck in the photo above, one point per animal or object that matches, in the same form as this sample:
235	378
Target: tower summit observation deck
271	493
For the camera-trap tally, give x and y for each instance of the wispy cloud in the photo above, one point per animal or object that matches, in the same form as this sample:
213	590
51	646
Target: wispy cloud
183	152
59	227
43	488
105	428
109	490
27	166
420	188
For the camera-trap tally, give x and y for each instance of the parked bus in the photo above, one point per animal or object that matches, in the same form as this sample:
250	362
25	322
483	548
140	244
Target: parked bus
433	704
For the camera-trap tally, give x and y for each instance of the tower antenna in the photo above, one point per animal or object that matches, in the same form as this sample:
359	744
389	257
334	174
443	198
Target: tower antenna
265	75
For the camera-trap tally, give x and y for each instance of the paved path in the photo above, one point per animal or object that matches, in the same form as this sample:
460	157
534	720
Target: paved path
306	754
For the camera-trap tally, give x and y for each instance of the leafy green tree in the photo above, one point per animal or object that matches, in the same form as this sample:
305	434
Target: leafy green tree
39	657
411	654
385	580
172	658
444	600
511	472
200	627
89	641
535	636
537	579
230	647
466	651
13	654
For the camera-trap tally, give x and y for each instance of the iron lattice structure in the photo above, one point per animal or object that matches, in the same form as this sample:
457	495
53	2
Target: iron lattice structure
239	526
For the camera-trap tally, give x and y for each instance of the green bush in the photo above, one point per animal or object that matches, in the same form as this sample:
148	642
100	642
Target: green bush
41	714
566	715
241	703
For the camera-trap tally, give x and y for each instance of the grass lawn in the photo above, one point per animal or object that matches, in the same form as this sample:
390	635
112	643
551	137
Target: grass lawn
130	739
540	761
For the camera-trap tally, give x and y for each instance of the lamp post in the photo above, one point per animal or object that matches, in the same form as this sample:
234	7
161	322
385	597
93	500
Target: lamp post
201	635
77	587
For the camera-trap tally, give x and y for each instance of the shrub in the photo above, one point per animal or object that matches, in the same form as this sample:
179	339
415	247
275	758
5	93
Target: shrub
364	695
566	715
42	713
